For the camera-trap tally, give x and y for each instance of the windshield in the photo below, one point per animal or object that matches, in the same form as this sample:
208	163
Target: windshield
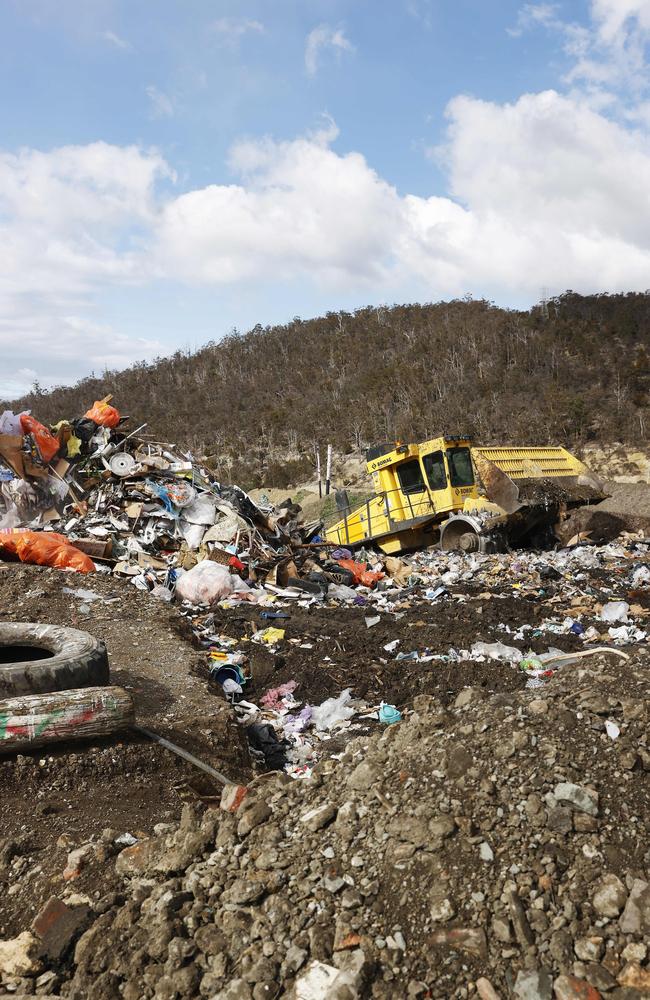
460	467
434	466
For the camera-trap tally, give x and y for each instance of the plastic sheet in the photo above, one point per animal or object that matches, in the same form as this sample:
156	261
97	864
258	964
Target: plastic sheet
496	651
333	711
46	548
615	611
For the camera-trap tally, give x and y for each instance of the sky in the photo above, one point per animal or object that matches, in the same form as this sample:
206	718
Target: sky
172	170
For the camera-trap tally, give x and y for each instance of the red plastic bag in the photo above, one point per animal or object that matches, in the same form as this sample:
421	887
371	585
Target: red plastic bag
361	573
103	414
46	443
46	548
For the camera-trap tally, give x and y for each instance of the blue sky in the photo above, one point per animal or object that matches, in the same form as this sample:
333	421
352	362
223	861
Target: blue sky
169	171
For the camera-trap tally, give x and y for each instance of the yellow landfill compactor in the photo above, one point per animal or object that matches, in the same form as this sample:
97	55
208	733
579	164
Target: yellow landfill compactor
474	499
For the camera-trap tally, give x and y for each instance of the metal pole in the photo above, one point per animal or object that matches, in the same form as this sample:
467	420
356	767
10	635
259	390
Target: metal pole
190	758
318	473
328	471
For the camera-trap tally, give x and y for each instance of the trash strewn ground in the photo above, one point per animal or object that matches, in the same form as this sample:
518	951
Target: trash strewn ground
438	763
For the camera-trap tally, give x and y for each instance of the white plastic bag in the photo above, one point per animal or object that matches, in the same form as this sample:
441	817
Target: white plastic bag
10	422
496	651
201	511
332	711
206	582
615	611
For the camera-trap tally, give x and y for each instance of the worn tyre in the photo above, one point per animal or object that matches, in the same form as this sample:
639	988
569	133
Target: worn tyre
35	659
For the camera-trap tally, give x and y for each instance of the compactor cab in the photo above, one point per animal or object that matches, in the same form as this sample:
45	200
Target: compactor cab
475	499
416	486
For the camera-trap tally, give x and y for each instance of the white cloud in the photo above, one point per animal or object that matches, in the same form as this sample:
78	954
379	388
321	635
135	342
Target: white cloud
230	30
320	39
71	224
609	54
115	40
532	15
162	106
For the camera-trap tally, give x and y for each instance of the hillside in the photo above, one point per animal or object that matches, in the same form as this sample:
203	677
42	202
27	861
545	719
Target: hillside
573	371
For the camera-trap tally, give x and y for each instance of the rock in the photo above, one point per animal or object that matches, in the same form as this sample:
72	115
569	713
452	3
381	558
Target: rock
538	706
570	988
244	893
17	955
583	823
135	860
589	949
458	761
467	696
559	820
599	977
502	930
317	818
439	830
295	958
57	926
485	989
636	916
485	852
533	984
577	797
77	859
561	949
635	977
609	897
251	816
523	931
364	777
469	939
635	952
441	911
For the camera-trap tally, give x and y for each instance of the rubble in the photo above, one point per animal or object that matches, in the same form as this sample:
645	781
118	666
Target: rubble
376	870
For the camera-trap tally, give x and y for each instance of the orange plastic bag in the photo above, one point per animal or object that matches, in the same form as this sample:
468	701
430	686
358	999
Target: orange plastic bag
361	573
46	548
46	443
103	414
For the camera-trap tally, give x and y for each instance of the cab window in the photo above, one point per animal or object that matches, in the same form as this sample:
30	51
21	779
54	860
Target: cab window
434	466
410	477
461	472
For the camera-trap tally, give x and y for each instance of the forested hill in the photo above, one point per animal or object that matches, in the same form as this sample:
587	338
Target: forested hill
573	370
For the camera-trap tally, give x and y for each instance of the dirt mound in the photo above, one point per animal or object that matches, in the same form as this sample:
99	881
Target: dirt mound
504	837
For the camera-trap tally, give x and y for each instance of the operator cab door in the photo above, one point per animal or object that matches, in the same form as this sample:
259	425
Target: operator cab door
413	499
436	472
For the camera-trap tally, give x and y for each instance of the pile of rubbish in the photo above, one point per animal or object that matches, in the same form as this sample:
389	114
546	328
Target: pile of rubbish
87	494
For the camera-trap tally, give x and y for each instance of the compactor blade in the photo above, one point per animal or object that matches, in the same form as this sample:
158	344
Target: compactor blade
499	487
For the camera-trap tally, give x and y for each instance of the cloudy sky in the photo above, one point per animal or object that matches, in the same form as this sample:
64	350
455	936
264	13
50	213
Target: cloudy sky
173	169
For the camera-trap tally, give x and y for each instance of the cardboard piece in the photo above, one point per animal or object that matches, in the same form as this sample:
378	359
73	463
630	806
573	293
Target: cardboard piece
10	451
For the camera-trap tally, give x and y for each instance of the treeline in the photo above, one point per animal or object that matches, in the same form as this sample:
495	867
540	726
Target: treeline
573	369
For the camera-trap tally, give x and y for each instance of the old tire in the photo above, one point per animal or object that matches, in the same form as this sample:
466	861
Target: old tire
35	659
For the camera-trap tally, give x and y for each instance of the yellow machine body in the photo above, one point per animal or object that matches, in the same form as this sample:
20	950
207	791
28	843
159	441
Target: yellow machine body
419	486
